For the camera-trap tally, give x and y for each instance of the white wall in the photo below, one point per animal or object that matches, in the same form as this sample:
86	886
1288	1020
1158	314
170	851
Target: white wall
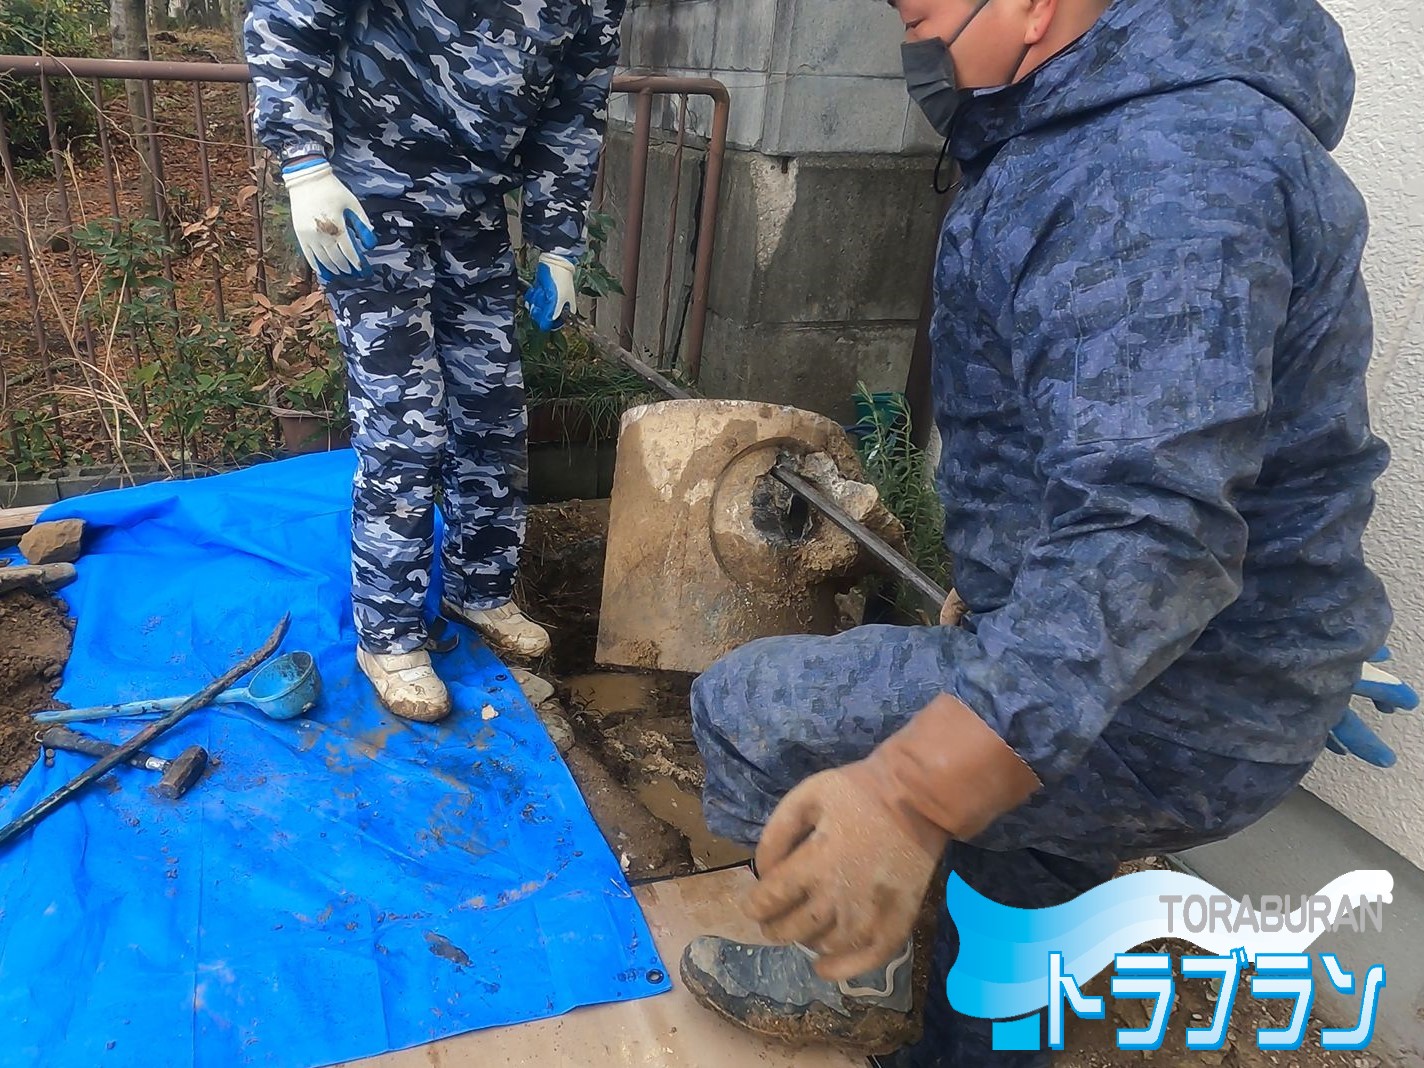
1384	154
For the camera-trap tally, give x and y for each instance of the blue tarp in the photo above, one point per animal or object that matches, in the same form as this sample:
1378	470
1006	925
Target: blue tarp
337	886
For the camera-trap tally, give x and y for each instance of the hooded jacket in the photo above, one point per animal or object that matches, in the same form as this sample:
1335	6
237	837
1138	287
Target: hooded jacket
1150	348
434	108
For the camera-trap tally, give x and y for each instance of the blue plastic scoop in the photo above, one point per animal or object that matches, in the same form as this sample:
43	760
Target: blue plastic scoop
285	688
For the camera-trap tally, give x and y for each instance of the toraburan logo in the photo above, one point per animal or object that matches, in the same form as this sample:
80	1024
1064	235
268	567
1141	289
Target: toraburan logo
1015	963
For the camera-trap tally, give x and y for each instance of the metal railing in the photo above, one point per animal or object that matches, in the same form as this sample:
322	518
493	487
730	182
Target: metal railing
221	93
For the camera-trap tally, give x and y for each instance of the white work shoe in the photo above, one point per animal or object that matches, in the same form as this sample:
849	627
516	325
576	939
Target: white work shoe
406	684
506	628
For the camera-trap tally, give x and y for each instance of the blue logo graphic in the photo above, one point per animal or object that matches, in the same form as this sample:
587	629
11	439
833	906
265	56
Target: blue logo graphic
1014	963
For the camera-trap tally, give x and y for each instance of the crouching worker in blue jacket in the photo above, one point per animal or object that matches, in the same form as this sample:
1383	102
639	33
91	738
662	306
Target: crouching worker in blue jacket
400	126
1150	345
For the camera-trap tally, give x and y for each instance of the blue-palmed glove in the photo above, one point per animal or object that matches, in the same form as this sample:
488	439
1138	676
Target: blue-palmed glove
1389	694
330	225
553	293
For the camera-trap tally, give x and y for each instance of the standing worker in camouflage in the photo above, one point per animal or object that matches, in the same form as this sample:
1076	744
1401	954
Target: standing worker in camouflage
400	126
1150	343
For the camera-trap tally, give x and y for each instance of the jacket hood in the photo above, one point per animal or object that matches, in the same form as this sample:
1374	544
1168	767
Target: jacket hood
1291	51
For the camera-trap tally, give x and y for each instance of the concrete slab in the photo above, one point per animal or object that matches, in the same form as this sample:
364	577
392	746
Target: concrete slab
667	1031
1296	850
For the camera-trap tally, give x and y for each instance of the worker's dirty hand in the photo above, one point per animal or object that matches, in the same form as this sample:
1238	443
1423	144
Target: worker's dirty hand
553	293
954	610
844	861
1389	694
842	872
328	220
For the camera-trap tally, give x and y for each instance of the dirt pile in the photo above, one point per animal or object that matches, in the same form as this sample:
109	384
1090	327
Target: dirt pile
34	646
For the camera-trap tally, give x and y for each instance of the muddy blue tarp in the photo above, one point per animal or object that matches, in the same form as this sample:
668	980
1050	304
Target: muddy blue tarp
337	886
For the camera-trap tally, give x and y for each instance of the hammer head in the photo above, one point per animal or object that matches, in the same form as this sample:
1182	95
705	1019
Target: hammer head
183	771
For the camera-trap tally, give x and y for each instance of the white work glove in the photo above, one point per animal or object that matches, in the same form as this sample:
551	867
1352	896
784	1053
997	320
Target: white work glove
553	292
328	220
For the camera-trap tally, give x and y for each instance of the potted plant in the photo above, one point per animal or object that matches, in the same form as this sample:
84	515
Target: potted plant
307	387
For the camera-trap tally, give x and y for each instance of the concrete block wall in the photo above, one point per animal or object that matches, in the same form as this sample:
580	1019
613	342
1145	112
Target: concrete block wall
805	76
819	270
828	216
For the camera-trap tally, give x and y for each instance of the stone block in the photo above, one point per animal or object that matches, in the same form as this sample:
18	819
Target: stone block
746	32
747	117
840	38
819	113
825	239
670	34
816	368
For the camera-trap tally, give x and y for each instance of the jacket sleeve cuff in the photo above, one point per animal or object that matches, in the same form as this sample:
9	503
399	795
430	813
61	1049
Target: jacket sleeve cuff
948	767
291	150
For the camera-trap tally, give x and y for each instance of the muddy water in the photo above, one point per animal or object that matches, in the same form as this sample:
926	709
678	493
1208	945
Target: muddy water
670	803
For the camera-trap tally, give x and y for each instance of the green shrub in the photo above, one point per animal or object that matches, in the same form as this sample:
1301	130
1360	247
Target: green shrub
54	27
900	471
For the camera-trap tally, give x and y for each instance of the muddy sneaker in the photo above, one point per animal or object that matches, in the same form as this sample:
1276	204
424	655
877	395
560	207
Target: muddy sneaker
406	684
773	991
506	628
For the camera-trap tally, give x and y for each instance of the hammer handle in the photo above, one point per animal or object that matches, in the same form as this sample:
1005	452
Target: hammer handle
74	742
105	764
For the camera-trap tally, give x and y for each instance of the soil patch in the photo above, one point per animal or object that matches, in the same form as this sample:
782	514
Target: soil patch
34	646
1091	1043
633	755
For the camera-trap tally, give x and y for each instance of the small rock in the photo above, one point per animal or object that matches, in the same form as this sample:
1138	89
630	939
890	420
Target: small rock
560	733
536	690
488	713
53	543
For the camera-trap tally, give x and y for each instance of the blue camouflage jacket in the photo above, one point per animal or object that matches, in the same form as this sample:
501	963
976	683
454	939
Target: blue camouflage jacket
432	107
1150	349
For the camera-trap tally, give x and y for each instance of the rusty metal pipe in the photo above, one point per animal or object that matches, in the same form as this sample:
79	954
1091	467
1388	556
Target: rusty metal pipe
260	281
127	69
707	231
61	187
665	302
633	230
933	593
184	71
17	216
104	148
201	123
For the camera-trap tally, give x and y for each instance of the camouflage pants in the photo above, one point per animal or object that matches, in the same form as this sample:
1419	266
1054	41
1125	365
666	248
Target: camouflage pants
778	710
437	409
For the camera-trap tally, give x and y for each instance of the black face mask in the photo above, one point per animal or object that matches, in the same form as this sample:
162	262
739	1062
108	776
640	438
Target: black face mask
930	76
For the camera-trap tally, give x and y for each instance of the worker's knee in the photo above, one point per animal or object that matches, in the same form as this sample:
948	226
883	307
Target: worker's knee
394	469
749	701
803	699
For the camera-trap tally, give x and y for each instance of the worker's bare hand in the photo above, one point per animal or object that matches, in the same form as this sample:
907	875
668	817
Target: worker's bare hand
841	873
